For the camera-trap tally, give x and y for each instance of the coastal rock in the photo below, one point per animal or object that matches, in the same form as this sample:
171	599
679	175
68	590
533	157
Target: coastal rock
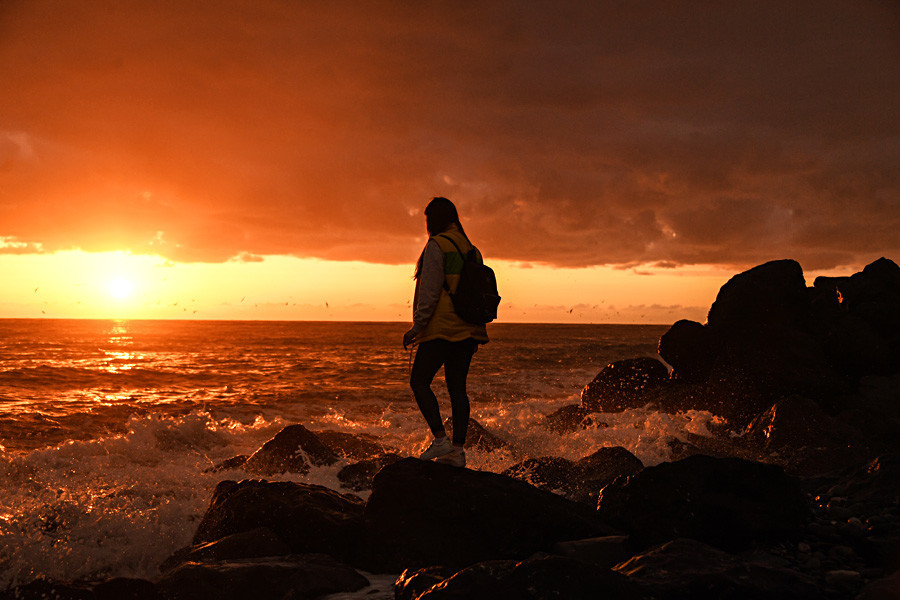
308	518
476	516
887	588
772	294
534	579
303	576
255	543
41	589
126	588
604	552
352	446
292	450
690	348
235	462
580	481
413	582
568	419
725	502
685	568
359	476
478	437
624	384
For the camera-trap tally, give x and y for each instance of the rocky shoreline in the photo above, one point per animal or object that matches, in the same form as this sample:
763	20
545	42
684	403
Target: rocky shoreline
797	495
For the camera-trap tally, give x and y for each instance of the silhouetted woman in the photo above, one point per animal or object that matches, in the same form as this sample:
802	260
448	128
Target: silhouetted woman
442	337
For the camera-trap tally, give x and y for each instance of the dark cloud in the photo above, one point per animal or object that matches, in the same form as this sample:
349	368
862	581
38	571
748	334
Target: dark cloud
568	133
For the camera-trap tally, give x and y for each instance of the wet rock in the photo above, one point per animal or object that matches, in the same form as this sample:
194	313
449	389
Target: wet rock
255	543
353	446
726	502
235	462
773	293
292	450
604	552
124	588
688	569
358	476
45	589
478	437
887	588
308	518
580	481
534	579
475	515
624	384
303	576
568	419
690	348
413	582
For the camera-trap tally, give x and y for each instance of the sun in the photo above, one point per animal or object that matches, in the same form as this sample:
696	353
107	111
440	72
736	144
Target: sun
120	288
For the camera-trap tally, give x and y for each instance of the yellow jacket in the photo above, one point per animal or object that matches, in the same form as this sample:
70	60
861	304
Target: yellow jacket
443	322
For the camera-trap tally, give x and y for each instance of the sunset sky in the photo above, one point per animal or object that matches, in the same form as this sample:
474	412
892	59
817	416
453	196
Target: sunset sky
614	161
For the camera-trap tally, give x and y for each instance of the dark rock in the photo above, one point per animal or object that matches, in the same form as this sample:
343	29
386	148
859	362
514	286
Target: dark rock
304	576
308	518
255	543
856	348
690	348
549	473
353	446
124	588
235	462
45	589
533	579
887	588
604	552
772	294
688	569
568	419
413	582
726	502
580	481
422	513
601	468
292	450
624	384
359	476
478	437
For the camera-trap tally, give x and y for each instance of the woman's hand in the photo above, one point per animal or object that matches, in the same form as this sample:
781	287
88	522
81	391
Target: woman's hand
408	338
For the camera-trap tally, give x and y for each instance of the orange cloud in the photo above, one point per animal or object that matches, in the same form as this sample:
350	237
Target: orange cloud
574	134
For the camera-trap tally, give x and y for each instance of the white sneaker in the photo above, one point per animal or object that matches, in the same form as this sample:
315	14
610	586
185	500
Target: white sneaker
454	458
438	447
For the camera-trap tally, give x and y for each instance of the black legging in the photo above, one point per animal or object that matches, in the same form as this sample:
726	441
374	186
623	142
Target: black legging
456	358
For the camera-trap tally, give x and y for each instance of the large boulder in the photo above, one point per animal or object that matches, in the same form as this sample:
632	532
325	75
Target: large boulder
292	450
690	348
624	384
422	513
689	569
534	579
725	502
358	476
301	576
771	294
581	480
567	419
308	518
355	446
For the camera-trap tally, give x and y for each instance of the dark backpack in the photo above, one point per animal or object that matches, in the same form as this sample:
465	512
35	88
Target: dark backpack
476	298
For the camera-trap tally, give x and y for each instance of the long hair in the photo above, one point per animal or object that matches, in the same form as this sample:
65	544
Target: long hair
440	214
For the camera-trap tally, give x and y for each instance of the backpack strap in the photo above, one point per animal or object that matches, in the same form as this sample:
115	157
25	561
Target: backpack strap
463	256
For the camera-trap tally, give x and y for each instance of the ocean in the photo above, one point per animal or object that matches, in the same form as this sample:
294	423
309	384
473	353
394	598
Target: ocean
108	428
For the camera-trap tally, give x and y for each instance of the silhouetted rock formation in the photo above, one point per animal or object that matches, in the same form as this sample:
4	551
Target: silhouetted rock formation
359	476
293	576
581	480
624	384
308	518
685	568
726	502
292	450
422	514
